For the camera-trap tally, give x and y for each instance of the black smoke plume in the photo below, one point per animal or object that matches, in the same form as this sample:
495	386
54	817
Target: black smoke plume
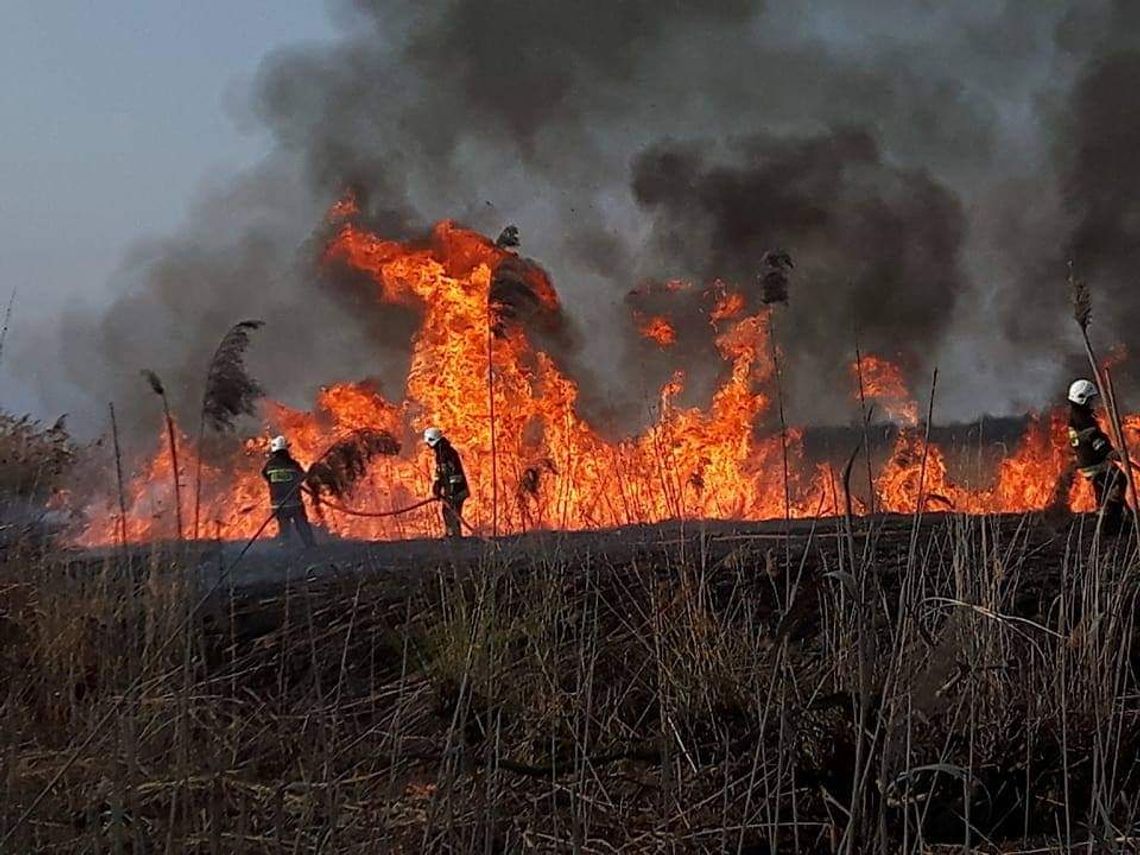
930	168
878	245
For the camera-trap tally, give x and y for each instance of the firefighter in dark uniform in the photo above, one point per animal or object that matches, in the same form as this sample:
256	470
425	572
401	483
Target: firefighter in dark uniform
1096	458
285	477
450	483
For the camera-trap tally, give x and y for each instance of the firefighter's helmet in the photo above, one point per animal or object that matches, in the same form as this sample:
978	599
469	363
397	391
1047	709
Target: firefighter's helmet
278	443
432	436
1082	391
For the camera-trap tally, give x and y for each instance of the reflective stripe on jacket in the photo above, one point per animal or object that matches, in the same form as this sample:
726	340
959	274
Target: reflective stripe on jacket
284	476
1092	449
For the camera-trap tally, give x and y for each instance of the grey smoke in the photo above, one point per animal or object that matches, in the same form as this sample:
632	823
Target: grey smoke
1101	184
928	166
1083	207
249	252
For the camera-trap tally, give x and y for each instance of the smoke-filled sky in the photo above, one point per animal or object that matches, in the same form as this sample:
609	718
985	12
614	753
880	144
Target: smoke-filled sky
117	117
929	166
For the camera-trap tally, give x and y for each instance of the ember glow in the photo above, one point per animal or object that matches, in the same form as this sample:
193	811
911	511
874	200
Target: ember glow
656	329
547	466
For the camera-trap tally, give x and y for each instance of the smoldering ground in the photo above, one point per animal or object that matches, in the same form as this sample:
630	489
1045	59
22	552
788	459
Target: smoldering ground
929	168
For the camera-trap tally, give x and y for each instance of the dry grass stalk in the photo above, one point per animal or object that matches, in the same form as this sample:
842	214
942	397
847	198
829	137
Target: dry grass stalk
156	386
119	477
1081	299
34	460
7	322
785	465
493	318
1125	455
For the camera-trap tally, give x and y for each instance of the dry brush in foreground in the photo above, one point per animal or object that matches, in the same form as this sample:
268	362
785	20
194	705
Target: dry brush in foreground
898	687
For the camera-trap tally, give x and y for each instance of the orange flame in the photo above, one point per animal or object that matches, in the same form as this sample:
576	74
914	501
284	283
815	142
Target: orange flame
554	470
656	329
879	380
343	208
728	305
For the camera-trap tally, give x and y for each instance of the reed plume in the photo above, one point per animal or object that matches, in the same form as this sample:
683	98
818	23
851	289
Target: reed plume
230	392
775	274
337	472
156	386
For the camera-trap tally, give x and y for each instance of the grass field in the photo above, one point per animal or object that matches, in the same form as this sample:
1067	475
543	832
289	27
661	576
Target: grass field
885	685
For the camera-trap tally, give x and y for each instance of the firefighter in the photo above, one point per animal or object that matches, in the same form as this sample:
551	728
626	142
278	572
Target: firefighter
450	484
285	477
1096	458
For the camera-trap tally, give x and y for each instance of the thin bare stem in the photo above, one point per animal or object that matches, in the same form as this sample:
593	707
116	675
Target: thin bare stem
491	409
119	477
7	323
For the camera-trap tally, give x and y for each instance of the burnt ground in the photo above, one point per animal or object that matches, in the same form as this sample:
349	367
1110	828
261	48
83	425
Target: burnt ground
252	578
267	566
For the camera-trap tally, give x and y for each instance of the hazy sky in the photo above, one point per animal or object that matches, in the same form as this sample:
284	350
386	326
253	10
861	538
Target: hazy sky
115	115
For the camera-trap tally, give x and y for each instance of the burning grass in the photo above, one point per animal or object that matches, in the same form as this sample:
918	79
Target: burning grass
479	369
971	679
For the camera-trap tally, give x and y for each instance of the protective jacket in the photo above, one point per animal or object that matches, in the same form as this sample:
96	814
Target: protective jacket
284	476
1092	448
450	481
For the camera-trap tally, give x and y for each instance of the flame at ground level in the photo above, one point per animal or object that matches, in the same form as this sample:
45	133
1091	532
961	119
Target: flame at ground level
539	464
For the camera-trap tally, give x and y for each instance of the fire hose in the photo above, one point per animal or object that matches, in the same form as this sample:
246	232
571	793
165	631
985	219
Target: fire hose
322	501
114	708
325	502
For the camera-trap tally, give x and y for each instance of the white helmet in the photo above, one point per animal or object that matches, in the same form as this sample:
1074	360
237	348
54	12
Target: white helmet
432	436
278	443
1082	391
